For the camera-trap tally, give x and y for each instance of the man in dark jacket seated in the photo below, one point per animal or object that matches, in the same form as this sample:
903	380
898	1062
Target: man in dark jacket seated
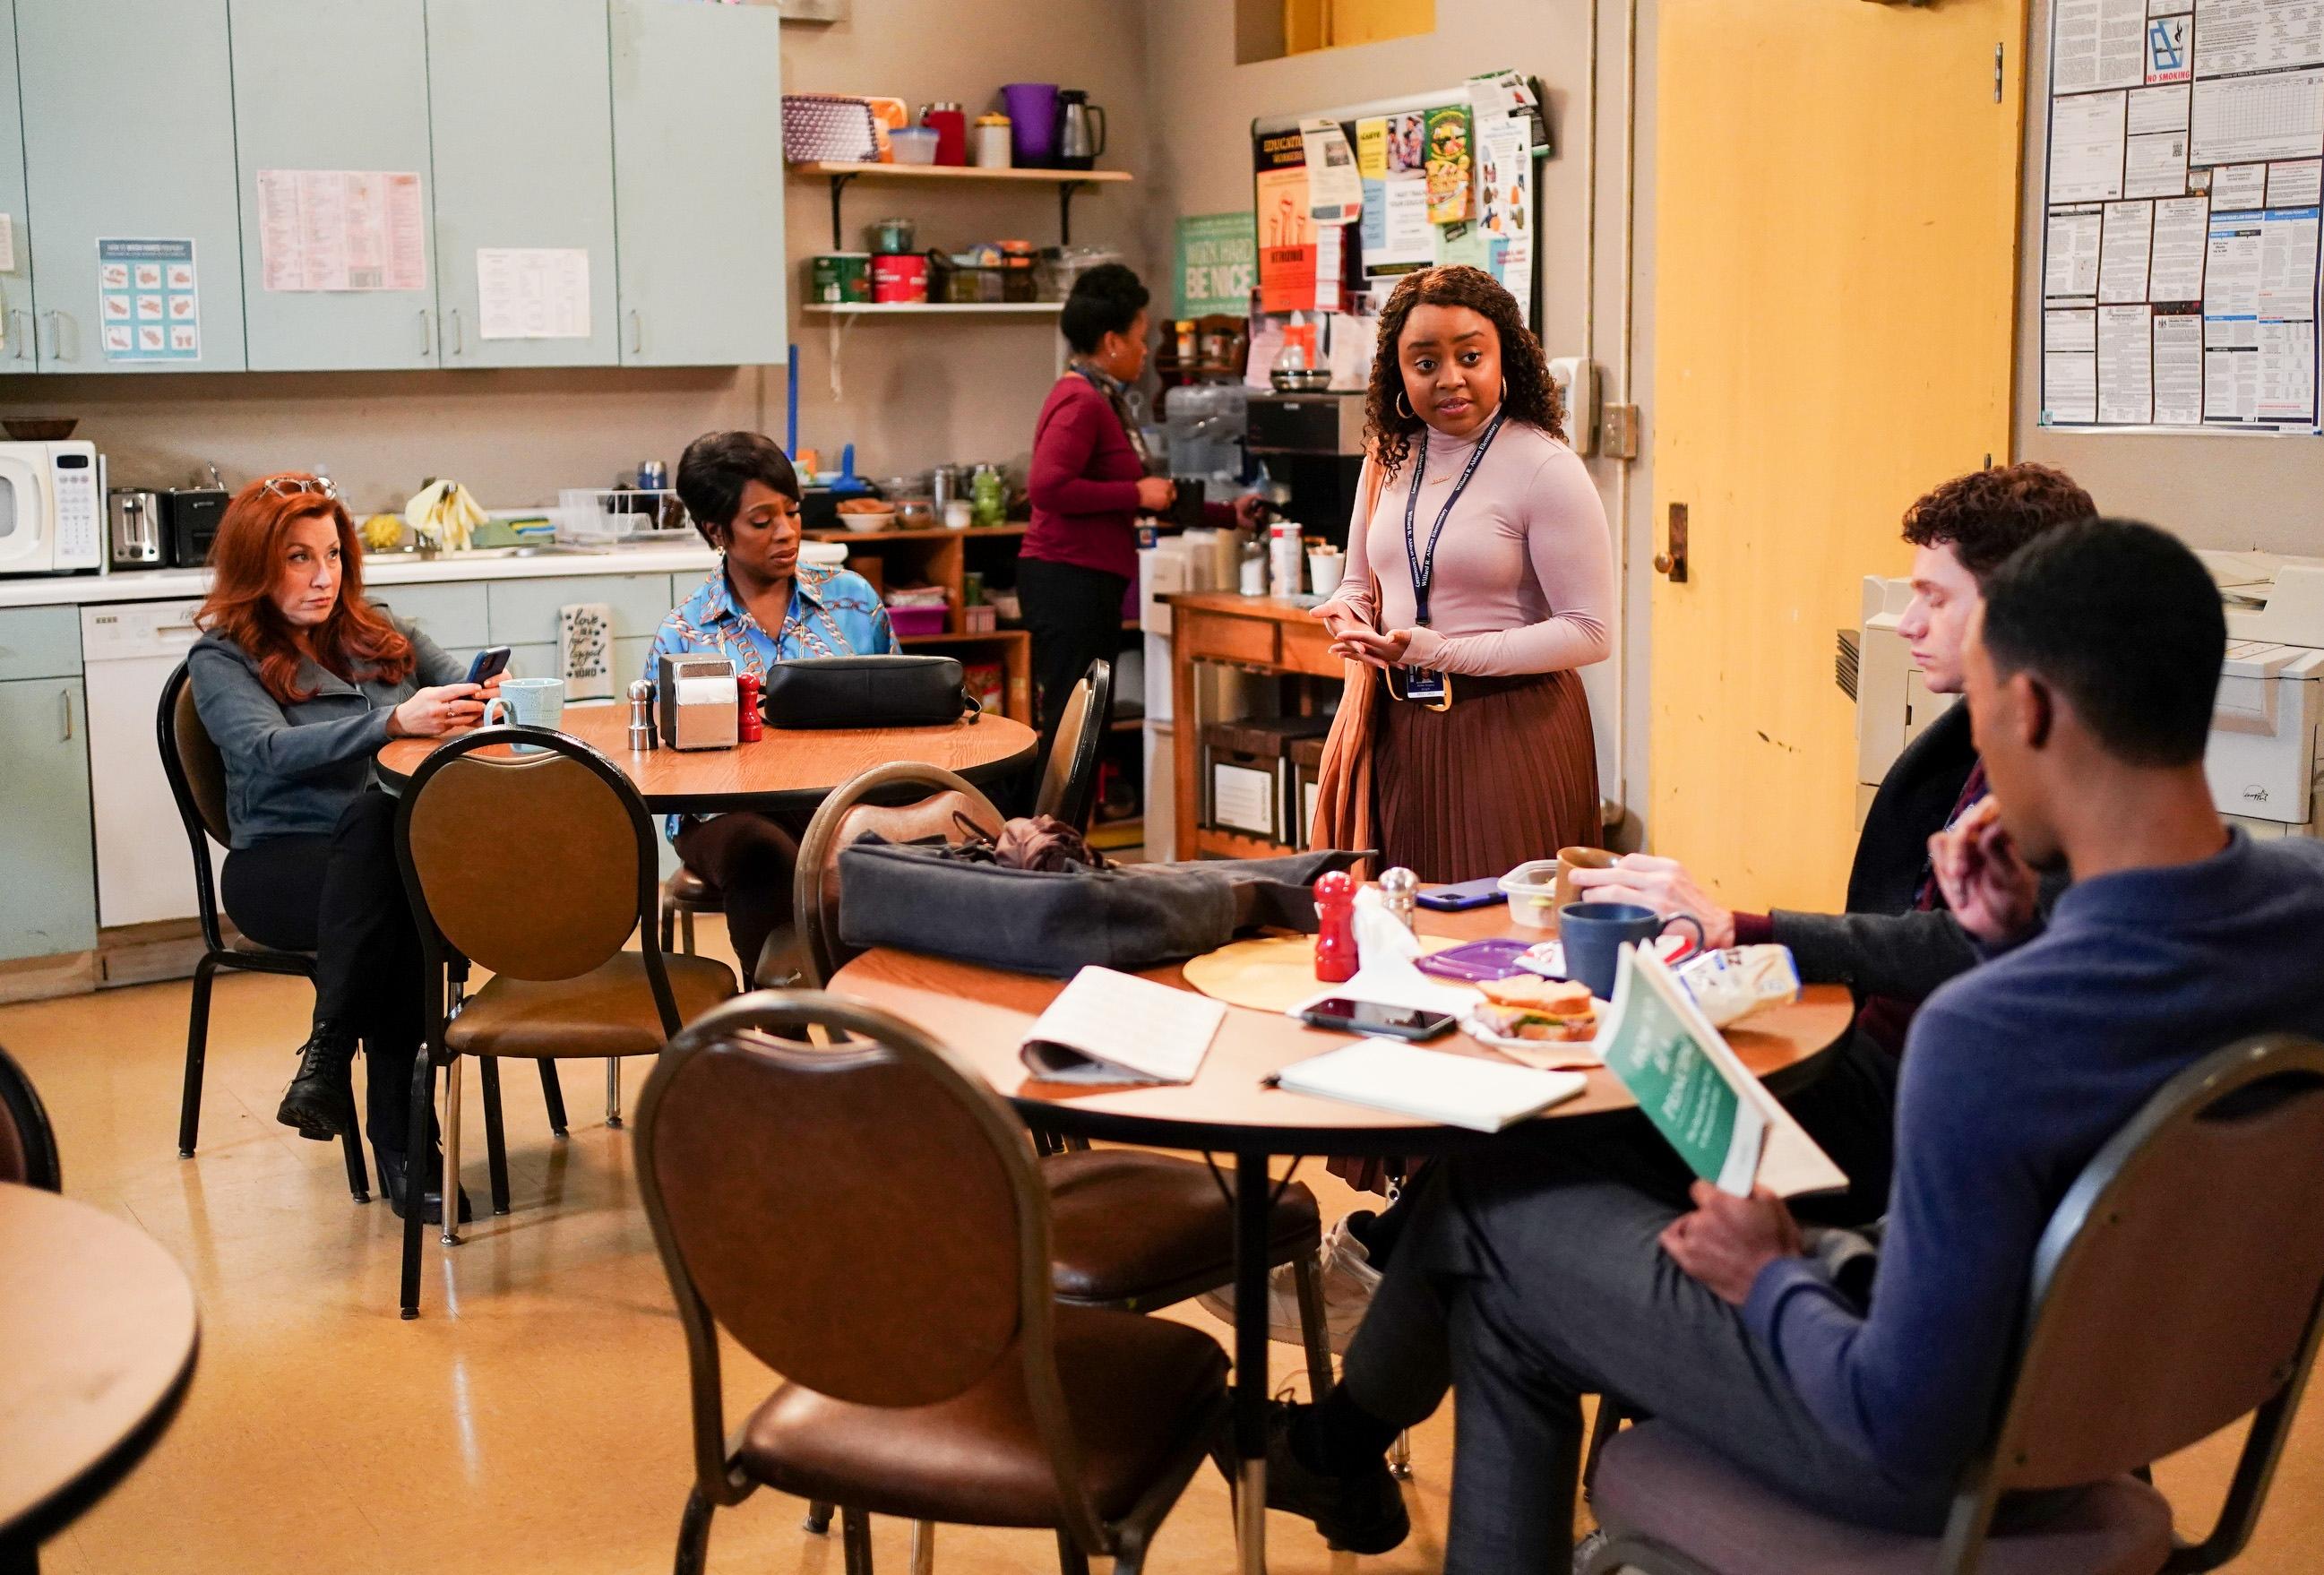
1529	1279
1896	941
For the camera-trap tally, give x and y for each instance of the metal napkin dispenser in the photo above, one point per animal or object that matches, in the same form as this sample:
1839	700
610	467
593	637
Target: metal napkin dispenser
695	701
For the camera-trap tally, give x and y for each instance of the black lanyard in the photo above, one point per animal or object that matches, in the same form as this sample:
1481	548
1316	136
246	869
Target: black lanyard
1423	569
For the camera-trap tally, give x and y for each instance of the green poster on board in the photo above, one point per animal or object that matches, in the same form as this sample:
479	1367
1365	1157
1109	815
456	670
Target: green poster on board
1218	263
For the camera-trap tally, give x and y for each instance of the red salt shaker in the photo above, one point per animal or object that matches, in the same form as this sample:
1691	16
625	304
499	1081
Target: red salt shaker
1335	940
747	725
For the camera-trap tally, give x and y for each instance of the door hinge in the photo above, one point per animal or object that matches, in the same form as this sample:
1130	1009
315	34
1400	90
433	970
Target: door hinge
1997	73
1617	431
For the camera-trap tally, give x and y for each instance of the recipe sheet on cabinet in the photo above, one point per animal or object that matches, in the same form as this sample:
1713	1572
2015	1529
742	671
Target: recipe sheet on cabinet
2179	273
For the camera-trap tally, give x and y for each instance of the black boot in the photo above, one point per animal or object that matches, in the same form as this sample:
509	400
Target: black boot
394	1179
321	1100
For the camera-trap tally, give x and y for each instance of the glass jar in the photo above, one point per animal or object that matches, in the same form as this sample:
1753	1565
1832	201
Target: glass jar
988	500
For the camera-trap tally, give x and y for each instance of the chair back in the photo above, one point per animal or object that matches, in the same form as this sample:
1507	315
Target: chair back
28	1144
934	804
197	777
537	866
862	1217
1069	776
2179	1284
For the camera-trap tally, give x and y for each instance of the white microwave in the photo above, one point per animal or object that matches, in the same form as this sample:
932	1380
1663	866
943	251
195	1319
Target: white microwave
51	508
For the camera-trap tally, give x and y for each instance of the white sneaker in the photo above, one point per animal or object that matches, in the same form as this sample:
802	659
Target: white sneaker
1349	1281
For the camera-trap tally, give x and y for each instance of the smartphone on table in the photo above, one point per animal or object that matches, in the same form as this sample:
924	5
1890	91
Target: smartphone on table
1463	897
1365	1017
488	664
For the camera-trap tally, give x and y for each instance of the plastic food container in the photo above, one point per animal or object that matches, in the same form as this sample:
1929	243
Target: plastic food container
1532	890
912	621
914	145
891	234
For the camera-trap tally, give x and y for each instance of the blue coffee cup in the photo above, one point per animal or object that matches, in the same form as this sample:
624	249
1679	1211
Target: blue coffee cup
528	703
1594	933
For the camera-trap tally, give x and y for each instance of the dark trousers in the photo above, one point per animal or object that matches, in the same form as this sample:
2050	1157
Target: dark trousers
1528	1279
1074	616
341	897
750	858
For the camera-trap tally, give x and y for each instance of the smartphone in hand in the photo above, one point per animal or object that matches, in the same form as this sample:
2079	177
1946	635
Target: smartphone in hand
488	664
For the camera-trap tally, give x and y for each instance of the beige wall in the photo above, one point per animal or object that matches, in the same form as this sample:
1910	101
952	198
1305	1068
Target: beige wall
1202	105
2224	492
915	393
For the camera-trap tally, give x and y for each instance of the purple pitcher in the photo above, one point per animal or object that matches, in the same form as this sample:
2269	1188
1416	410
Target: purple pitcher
1032	109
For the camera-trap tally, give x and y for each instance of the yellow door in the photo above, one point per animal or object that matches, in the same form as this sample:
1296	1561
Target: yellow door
1836	243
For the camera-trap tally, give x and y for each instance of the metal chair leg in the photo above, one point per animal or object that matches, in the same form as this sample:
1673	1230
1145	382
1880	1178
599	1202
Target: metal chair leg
358	1172
668	925
694	1534
198	1045
686	928
924	1547
1399	1457
451	1154
818	1519
423	1091
855	1541
612	1094
488	1078
1314	1325
553	1094
1071	1560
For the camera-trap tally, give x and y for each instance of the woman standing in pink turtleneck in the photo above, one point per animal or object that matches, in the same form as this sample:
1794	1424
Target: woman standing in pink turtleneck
1479	578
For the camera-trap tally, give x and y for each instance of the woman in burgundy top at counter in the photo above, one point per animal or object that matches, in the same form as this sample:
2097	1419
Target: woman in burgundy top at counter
1479	579
1089	485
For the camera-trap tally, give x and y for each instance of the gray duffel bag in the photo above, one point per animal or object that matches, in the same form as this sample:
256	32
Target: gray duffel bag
923	897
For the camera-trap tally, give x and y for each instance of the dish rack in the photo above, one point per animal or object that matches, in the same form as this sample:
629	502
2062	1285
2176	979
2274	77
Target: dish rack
819	127
603	516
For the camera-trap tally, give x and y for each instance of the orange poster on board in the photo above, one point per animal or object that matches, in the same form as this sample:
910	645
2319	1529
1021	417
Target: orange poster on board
1287	232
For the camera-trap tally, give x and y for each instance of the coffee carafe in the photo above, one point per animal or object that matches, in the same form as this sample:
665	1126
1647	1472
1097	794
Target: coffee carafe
1079	142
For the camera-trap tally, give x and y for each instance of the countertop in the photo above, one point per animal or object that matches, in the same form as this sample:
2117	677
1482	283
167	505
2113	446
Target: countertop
1268	609
395	569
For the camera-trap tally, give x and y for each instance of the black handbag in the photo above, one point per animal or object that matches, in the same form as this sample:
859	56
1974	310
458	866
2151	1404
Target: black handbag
866	691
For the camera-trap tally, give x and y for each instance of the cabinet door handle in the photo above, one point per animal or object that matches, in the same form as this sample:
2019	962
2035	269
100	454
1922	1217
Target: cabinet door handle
459	344
20	336
427	336
637	332
65	707
55	320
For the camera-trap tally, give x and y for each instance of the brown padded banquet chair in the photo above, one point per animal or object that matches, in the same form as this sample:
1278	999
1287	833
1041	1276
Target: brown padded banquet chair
28	1145
865	1219
539	868
1132	1229
2177	1289
1069	776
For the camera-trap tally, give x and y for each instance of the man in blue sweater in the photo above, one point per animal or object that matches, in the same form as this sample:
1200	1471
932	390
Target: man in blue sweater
1529	1281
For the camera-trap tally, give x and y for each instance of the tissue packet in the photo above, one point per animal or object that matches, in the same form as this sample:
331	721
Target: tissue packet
1732	984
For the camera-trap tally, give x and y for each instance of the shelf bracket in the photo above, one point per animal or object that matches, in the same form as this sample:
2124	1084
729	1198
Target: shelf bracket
1065	189
838	185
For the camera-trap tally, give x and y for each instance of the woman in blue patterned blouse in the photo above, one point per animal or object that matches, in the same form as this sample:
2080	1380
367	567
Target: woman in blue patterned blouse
761	606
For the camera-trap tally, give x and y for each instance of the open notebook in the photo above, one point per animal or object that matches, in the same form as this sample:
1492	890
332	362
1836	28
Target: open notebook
1436	1085
1111	1028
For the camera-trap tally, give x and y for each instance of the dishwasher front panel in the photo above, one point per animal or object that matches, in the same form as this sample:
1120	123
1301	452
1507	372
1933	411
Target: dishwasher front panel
145	871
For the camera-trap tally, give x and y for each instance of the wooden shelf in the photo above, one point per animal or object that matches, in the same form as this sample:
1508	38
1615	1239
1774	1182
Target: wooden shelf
958	173
1111	835
996	635
934	533
1127	725
1211	842
935	309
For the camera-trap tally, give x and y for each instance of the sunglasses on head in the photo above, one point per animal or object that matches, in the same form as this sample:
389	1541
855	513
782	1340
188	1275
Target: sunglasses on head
286	487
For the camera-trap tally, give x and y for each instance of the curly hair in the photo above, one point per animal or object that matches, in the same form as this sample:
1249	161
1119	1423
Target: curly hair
1988	515
1532	398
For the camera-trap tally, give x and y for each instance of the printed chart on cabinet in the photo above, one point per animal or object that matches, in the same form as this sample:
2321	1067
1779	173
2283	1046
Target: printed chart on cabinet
2179	256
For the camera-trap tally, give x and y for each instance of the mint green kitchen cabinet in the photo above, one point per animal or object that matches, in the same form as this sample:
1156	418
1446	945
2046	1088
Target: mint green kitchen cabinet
326	86
20	351
524	143
698	182
128	114
46	842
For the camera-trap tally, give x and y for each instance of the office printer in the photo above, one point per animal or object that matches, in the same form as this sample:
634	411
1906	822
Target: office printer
2262	761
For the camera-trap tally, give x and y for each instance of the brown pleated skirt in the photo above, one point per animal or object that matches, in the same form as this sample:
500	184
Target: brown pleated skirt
1479	789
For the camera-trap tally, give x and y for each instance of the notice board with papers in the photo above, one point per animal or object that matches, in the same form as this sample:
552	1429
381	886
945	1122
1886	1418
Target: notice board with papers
2180	206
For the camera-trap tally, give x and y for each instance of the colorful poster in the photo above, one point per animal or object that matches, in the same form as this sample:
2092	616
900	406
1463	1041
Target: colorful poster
1218	263
1450	165
1506	211
1336	194
149	301
1286	228
1371	149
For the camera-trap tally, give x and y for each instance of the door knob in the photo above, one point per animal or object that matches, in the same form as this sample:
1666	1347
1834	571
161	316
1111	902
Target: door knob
1672	560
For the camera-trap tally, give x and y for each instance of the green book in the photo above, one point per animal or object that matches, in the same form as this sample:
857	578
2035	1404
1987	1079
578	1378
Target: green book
1697	1091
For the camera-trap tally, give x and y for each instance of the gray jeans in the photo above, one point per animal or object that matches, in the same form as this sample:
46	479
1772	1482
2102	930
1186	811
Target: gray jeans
1530	1278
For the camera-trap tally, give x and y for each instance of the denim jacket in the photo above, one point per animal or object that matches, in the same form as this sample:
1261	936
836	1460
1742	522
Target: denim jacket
292	770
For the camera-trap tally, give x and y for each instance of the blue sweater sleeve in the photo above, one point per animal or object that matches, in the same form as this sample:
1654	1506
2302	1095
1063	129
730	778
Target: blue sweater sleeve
1909	1385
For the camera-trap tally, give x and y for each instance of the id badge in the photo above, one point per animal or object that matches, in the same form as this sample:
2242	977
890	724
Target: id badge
1424	685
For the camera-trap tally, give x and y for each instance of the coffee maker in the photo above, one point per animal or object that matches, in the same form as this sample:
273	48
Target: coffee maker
1313	443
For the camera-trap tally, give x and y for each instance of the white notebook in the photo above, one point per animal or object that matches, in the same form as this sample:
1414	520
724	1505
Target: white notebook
1454	1091
1111	1028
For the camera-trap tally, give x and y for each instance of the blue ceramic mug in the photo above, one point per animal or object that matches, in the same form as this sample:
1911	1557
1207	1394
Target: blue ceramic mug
1594	933
527	702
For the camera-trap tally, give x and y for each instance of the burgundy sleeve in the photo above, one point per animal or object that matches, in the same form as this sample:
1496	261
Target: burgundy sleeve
1062	451
1754	929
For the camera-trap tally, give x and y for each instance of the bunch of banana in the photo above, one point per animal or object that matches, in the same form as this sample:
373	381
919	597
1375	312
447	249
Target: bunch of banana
442	514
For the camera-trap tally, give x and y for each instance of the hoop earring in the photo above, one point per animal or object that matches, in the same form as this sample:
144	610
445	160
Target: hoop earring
1505	391
1401	407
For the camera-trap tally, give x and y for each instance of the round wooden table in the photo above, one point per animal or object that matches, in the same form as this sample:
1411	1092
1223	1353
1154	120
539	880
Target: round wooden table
791	769
98	1332
983	1015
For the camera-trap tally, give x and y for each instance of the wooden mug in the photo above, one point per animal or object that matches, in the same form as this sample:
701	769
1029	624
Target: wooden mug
1569	860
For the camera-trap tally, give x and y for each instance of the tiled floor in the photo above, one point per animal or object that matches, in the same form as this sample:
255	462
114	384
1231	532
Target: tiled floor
534	1418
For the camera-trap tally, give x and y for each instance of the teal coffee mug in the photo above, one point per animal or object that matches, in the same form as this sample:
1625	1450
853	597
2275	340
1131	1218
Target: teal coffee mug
1594	933
527	702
